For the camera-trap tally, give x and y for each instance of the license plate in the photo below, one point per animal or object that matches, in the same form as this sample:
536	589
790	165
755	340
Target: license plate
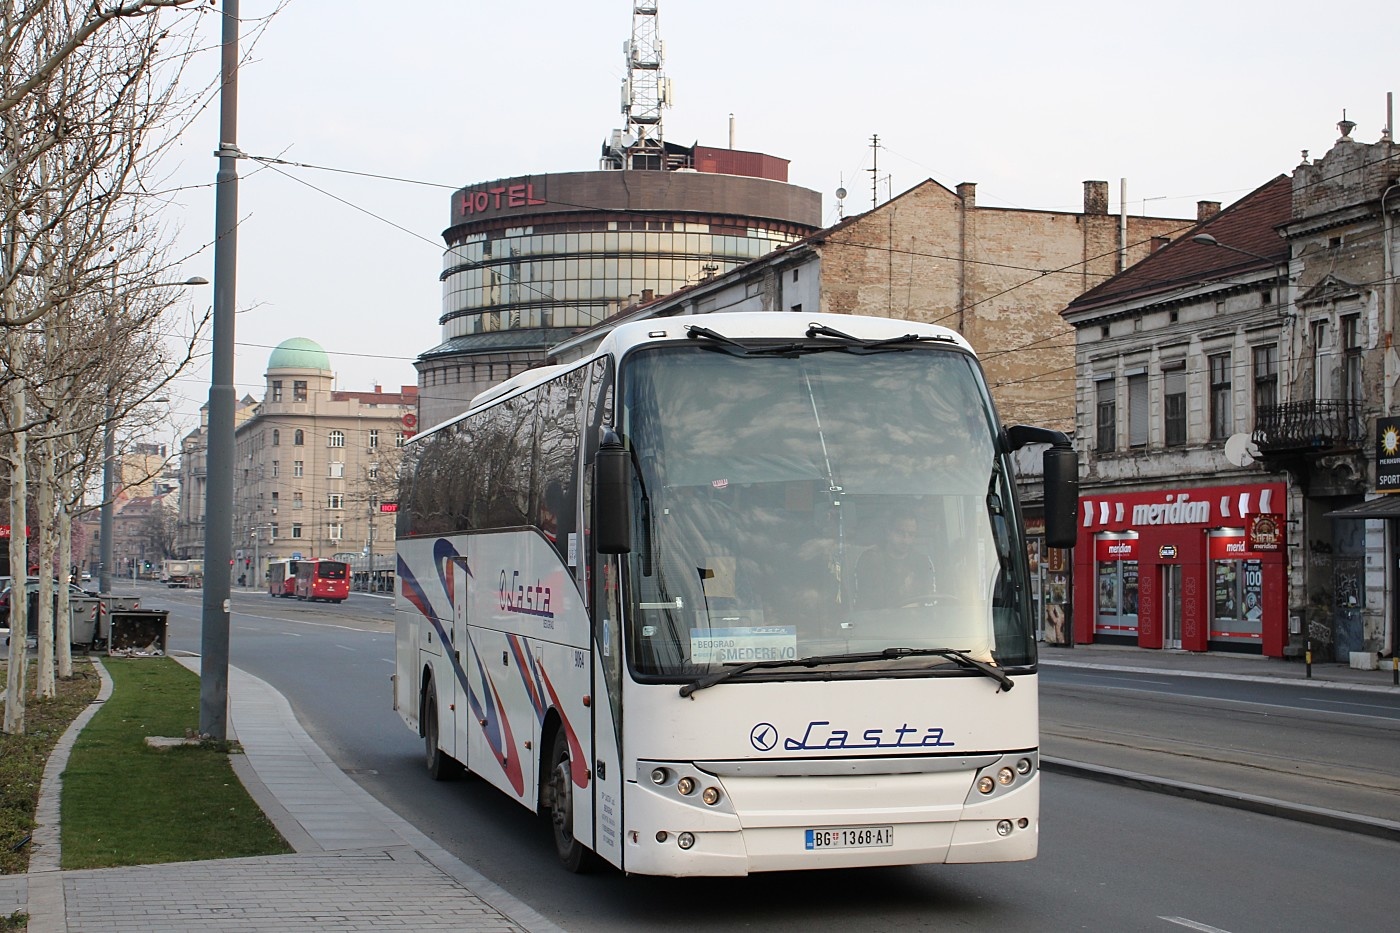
851	837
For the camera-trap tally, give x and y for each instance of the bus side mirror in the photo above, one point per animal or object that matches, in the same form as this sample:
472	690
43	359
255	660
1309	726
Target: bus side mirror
1061	496
612	497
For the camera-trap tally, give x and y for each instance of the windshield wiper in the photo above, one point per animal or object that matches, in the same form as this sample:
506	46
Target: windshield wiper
953	654
822	330
739	348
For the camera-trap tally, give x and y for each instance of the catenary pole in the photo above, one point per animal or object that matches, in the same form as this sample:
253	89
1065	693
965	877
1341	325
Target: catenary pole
218	504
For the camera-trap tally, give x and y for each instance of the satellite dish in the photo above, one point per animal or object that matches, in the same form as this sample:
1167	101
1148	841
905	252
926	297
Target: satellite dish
1241	450
840	193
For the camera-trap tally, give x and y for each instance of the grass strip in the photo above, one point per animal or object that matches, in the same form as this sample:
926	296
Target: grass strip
22	757
126	803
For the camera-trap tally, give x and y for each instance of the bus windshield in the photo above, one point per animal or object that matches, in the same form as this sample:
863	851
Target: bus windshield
818	504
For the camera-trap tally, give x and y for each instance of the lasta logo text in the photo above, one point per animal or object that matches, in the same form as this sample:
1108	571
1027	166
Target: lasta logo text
530	600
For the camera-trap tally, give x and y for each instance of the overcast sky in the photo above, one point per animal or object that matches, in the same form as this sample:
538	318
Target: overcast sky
1187	100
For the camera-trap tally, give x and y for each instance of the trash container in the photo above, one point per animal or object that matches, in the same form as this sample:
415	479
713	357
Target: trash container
137	633
82	619
109	604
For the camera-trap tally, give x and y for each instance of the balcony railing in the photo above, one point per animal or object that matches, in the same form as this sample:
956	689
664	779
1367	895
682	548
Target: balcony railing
1320	424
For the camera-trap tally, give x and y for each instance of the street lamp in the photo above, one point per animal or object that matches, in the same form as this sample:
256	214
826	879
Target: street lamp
109	456
1205	239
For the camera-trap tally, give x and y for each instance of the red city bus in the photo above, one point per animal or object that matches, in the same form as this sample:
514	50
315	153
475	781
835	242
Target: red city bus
323	579
282	577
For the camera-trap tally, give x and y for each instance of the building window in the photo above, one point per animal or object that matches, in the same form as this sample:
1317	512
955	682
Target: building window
299	390
335	531
277	390
1318	332
400	439
335	439
298	468
299	438
373	438
275	470
296	500
335	500
1351	357
1265	378
337	470
1106	416
296	529
1222	422
373	471
1137	410
272	532
1174	407
276	438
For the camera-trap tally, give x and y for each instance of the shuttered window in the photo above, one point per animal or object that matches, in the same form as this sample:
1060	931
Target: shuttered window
1137	410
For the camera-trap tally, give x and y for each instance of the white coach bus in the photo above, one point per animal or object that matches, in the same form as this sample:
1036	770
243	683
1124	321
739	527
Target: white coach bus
738	593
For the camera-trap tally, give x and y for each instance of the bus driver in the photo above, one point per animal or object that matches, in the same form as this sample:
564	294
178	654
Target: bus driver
894	573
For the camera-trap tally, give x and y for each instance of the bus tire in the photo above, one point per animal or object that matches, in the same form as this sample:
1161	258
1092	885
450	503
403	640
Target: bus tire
440	766
573	855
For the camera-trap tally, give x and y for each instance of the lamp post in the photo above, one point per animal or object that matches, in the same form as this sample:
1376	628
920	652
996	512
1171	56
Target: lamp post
109	457
218	507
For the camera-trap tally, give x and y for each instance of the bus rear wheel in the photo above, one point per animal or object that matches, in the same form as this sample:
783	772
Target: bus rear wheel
574	856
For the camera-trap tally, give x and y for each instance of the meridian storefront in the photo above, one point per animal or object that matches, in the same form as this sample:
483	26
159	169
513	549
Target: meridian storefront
1192	568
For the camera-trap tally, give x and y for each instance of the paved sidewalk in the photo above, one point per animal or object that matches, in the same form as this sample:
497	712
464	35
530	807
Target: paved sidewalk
1220	665
357	864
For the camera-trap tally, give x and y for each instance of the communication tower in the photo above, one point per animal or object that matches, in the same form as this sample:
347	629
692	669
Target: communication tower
645	92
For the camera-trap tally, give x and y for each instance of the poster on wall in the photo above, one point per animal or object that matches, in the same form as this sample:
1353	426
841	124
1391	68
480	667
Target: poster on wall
1226	588
1253	591
1130	587
1108	589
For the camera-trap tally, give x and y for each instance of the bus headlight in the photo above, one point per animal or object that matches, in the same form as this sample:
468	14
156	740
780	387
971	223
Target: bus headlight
685	840
659	775
985	784
710	795
686	786
1023	767
1004	828
1005	776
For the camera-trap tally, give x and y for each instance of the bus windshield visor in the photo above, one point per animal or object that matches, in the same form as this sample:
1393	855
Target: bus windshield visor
817	505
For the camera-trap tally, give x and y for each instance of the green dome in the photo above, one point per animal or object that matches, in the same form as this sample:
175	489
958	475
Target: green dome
299	353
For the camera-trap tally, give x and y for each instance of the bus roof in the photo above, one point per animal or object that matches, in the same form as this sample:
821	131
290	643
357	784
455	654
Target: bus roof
755	325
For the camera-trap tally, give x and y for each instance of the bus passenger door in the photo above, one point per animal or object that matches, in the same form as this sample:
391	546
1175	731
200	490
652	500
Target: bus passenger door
457	649
607	764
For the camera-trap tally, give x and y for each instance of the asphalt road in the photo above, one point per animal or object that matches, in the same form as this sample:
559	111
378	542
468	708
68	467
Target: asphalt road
1110	858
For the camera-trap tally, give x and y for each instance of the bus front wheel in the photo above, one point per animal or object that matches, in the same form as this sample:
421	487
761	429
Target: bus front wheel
571	852
440	766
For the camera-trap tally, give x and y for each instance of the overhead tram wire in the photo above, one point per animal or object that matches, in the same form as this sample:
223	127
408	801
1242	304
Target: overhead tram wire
273	164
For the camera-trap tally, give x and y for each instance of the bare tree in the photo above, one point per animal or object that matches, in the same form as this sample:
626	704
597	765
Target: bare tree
87	101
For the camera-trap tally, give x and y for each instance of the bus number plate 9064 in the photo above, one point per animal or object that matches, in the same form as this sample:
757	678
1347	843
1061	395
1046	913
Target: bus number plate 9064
851	837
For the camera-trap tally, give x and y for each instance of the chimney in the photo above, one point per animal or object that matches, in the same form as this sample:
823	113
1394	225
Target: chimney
647	295
968	192
1096	197
1205	210
1160	241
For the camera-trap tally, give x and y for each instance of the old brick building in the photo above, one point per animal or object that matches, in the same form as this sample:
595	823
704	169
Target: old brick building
1000	276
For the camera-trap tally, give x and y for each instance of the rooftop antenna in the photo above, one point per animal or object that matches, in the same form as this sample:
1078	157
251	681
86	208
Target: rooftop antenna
645	92
874	172
841	198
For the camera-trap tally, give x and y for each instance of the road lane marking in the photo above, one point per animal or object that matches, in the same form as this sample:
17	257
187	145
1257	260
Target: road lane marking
1193	925
346	647
1390	709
